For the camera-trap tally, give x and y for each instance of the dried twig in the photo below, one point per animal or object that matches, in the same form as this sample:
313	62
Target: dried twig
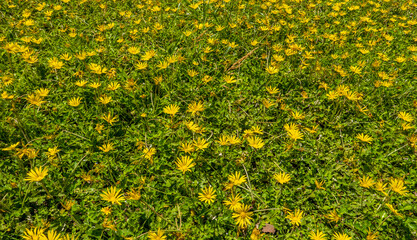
239	62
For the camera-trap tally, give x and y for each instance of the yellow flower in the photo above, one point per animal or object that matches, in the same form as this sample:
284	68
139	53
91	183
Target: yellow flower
74	102
65	57
184	164
256	142
380	186
236	179
107	147
108	118
108	224
157	80
393	210
29	152
201	143
256	129
208	195
36	174
43	92
134	194
272	90
207	79
51	235
324	85
33	234
297	115
80	83
148	55
112	195
195	107
159	235
133	50
372	235
192	73
332	95
192	126
397	185
254	42
243	216
355	69
67	204
97	69
256	234
233	202
11	147
267	103
317	235
195	5
55	63
233	139
223	140
86	177
81	55
407	126
341	236
187	33
12	47
342	90
400	59
332	216
248	133
187	147
282	177
171	109
405	116
295	217
293	131
91	53
35	99
105	99
229	79
272	70
113	86
163	64
319	185
172	59
148	153
364	137
106	210
141	65
366	182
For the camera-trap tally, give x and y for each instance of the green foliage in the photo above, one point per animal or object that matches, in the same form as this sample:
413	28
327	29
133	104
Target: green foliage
295	106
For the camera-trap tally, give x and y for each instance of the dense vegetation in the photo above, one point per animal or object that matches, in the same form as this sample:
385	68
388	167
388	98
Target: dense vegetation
215	119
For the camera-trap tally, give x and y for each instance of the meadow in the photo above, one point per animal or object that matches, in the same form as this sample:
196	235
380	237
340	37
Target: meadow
212	119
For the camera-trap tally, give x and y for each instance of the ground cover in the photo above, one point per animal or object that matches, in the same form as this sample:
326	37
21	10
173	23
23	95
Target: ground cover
208	120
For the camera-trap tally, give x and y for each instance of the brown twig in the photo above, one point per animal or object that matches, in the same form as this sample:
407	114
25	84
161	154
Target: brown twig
239	62
198	38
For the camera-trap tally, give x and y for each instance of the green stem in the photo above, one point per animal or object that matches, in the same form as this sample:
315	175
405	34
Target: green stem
10	61
24	199
185	183
279	196
35	116
46	190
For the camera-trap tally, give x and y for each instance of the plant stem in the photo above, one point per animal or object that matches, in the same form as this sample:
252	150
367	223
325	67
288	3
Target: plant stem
24	199
46	190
